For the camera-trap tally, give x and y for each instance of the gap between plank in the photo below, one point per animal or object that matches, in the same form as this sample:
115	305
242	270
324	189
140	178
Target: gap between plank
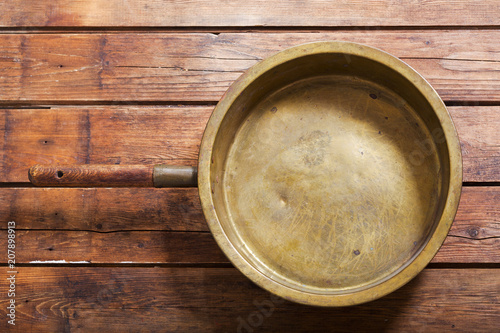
29	185
480	184
229	265
125	264
216	30
44	105
463	265
49	104
122	230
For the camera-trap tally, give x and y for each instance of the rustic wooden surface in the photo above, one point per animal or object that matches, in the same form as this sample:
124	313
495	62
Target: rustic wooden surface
187	299
67	68
134	82
242	13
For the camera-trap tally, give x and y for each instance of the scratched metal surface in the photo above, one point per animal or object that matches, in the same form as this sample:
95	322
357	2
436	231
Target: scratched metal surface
321	186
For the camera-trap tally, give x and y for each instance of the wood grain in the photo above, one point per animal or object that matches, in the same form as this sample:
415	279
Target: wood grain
114	135
145	247
474	237
103	209
374	13
199	67
478	215
480	141
64	299
172	135
91	175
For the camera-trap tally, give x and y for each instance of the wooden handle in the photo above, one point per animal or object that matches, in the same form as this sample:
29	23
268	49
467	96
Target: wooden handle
103	175
91	175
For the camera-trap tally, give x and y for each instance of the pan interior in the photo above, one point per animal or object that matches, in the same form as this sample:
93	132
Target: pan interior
330	184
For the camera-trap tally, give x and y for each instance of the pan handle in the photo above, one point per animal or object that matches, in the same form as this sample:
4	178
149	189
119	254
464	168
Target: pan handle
103	175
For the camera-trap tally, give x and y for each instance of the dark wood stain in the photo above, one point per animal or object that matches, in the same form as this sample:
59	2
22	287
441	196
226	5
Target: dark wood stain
102	59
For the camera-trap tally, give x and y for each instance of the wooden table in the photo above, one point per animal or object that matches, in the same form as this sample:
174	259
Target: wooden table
134	82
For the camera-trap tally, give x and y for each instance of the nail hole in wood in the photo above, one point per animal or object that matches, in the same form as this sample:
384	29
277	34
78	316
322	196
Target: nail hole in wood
60	174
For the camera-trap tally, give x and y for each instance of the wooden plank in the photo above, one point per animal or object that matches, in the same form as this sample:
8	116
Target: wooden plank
474	237
151	135
141	209
478	215
467	250
103	209
76	68
480	141
155	247
100	136
82	247
64	13
64	299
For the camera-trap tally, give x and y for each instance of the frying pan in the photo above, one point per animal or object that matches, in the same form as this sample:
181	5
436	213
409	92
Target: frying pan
329	173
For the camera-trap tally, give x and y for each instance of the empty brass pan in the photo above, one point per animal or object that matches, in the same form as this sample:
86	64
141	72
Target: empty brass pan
330	173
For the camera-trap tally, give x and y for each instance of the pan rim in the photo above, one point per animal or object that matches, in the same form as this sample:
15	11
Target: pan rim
440	232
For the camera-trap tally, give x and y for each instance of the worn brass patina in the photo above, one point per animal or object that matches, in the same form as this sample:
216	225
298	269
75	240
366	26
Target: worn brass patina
330	173
175	176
